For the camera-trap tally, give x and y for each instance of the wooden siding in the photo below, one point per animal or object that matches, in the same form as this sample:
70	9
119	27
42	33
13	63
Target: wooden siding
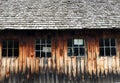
60	68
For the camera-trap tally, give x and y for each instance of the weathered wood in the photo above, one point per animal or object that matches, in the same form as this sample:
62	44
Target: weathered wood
60	68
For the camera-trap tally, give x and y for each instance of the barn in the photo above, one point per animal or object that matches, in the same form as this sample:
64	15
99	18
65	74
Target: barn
59	41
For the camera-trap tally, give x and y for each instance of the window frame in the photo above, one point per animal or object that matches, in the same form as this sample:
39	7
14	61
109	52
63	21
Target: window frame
46	44
109	47
13	48
78	47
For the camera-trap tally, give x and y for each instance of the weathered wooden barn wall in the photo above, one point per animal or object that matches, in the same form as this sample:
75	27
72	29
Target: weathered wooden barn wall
60	68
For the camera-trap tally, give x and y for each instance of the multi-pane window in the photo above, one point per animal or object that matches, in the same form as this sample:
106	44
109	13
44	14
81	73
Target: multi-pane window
107	47
75	47
10	48
43	48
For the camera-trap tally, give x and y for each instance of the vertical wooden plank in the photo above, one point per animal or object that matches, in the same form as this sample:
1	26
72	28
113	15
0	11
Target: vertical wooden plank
110	64
32	53
117	63
65	55
102	65
89	57
3	68
69	67
53	62
8	68
61	64
97	56
114	64
37	61
20	54
24	53
94	62
16	66
58	55
0	59
73	63
106	65
82	67
32	61
12	65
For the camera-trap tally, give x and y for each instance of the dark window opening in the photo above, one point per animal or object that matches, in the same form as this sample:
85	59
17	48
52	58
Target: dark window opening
107	47
43	48
75	47
10	48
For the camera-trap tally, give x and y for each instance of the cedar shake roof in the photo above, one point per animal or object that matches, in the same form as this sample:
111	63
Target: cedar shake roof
59	14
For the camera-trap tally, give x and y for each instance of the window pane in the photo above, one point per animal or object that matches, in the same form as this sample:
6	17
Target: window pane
10	43
112	42
37	53
37	47
16	52
48	45
48	41
79	42
49	54
82	51
42	54
4	44
69	51
10	53
4	52
75	51
107	51
43	41
101	51
37	41
101	43
107	43
69	43
113	51
42	46
76	46
16	44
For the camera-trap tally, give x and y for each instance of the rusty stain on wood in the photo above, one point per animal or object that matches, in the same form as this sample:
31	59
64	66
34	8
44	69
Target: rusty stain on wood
60	67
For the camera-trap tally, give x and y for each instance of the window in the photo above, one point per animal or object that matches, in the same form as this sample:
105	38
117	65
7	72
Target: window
10	48
75	47
43	48
107	47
